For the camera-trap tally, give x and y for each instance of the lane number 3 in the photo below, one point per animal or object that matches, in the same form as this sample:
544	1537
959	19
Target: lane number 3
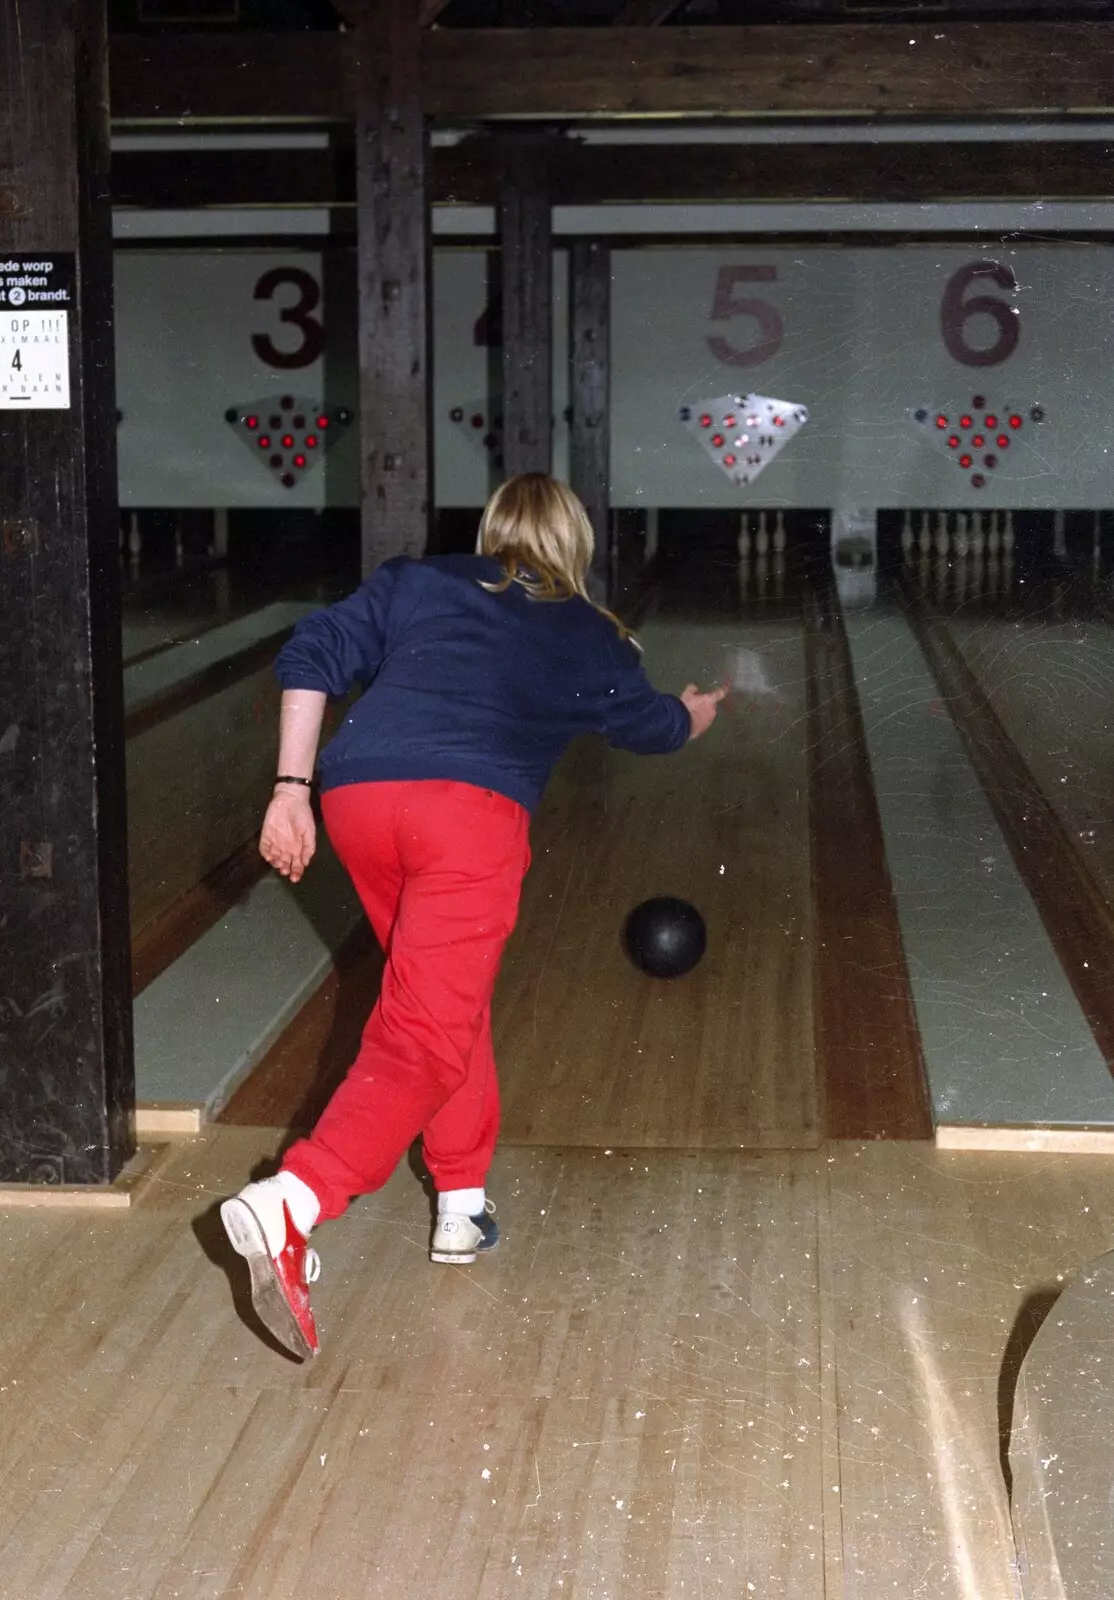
299	315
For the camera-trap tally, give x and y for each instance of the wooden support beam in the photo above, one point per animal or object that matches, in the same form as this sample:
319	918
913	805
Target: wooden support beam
580	174
590	392
969	70
65	983
527	281
394	286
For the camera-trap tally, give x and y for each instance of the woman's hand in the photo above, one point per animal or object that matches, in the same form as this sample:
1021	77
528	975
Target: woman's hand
702	707
289	836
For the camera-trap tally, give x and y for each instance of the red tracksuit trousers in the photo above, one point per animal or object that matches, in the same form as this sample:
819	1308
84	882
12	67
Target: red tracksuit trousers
439	868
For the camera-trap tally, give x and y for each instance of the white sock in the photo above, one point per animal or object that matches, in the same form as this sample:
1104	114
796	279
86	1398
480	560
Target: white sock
301	1202
462	1202
266	1199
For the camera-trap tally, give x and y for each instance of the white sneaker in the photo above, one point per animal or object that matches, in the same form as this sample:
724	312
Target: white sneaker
259	1228
458	1240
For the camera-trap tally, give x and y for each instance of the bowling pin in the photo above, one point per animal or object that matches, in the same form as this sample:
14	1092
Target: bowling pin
762	539
744	535
1008	536
135	542
1059	535
924	537
994	537
1096	539
220	533
779	531
907	534
978	538
942	536
961	534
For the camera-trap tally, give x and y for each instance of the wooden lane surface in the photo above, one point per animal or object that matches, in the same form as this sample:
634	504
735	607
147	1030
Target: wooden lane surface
199	774
867	1040
679	1374
591	1051
199	777
1049	681
196	784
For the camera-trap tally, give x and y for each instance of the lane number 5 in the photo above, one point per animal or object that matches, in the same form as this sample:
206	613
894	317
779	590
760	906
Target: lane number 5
728	303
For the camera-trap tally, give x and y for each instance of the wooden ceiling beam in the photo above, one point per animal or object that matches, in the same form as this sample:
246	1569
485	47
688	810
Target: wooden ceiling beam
967	71
645	13
350	11
578	174
256	78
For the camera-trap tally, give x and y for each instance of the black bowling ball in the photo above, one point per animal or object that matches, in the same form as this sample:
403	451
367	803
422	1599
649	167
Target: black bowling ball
665	937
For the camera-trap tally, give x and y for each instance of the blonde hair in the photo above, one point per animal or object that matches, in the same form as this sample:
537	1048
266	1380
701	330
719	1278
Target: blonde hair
539	532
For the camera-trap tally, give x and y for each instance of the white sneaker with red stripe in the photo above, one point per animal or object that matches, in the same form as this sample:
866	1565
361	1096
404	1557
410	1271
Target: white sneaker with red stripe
282	1265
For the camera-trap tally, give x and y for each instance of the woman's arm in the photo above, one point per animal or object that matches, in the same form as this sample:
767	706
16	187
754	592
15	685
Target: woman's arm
289	836
301	714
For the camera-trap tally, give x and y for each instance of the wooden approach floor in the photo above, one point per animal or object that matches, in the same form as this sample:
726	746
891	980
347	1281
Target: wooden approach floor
781	1375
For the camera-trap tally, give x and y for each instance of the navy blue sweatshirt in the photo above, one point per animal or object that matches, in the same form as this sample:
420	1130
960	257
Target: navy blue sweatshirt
464	684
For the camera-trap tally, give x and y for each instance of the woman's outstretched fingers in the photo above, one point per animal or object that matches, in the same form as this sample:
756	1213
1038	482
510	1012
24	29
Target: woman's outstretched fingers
701	706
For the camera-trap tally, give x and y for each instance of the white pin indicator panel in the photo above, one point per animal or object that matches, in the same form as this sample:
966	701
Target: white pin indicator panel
873	344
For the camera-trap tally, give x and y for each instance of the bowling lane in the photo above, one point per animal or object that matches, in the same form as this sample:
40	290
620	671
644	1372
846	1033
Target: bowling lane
194	787
201	710
162	609
1006	933
1049	676
592	1051
799	1021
